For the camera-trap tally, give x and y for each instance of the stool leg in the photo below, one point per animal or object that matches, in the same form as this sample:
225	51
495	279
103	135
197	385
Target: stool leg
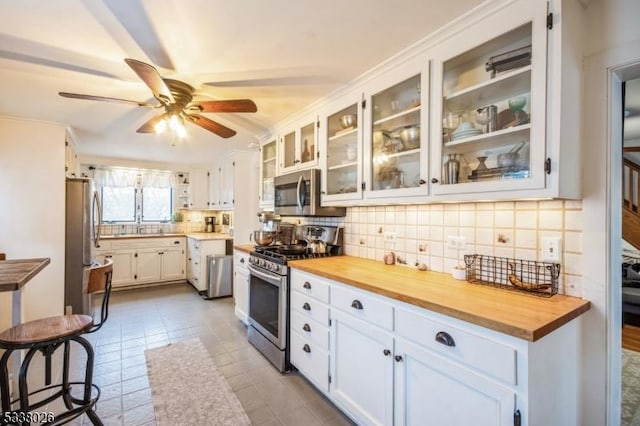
66	388
88	375
4	381
22	380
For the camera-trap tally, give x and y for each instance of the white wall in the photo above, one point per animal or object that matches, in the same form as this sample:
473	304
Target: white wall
613	41
32	204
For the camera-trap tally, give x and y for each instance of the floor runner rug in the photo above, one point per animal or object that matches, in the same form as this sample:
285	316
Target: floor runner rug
188	389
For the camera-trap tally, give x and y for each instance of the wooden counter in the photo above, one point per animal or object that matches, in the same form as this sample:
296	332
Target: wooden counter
247	248
196	235
520	315
15	273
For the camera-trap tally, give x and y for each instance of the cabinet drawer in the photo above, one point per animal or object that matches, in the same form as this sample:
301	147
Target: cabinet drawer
362	305
309	307
491	357
311	360
310	285
240	261
311	330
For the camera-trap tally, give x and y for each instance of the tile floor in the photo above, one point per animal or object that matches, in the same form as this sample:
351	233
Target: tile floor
155	316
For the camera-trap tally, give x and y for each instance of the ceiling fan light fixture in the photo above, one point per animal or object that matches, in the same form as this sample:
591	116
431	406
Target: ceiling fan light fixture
161	126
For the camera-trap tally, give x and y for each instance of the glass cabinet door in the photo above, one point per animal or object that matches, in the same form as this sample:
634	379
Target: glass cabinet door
288	146
343	154
490	133
268	167
308	144
396	143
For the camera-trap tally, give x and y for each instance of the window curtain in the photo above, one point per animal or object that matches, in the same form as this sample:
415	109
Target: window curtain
122	177
116	177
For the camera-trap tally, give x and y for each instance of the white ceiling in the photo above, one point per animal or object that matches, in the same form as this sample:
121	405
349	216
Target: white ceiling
283	54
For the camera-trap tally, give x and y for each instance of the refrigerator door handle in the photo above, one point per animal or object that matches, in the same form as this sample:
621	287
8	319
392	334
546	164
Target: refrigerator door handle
98	227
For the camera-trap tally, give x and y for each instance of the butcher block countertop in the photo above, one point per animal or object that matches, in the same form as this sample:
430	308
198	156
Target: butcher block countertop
15	273
247	248
196	235
520	315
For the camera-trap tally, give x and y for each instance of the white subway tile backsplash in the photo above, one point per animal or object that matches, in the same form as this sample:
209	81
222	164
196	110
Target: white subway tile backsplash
505	229
550	219
526	219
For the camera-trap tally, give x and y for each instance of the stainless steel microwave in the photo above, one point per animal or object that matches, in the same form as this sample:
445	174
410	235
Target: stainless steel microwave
298	194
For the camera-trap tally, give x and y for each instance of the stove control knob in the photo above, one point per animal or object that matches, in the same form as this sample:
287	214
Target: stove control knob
269	266
276	268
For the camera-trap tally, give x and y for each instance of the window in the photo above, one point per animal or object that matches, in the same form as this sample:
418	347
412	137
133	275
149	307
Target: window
133	195
118	204
157	204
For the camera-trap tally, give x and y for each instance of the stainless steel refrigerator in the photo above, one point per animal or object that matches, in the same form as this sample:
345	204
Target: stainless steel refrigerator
83	218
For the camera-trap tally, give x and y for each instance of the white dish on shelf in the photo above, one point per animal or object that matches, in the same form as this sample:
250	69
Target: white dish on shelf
466	134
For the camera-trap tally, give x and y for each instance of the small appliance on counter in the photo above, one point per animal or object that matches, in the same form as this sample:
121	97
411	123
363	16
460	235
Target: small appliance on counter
209	223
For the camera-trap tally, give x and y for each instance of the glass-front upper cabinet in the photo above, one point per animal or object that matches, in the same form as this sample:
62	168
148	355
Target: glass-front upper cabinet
395	139
489	104
343	161
268	163
298	146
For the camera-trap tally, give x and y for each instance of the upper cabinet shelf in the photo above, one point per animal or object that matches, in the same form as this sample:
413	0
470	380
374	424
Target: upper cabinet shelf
491	91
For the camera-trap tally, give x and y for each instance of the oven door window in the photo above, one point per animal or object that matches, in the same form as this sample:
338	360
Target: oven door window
287	194
264	305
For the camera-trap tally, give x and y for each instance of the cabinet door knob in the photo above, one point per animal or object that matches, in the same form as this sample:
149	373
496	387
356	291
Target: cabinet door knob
386	352
445	339
306	328
398	358
422	181
434	180
242	260
306	307
356	304
306	348
307	285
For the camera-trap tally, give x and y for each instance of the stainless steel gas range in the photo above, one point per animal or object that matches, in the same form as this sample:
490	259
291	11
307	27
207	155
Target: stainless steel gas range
269	293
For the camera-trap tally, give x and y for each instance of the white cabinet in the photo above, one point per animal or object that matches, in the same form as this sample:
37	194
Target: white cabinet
382	156
199	189
144	260
362	369
197	252
391	363
298	147
71	165
221	185
309	325
456	395
241	285
268	166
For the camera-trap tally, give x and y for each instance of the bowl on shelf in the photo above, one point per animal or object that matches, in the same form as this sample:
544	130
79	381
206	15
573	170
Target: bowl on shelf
348	120
410	136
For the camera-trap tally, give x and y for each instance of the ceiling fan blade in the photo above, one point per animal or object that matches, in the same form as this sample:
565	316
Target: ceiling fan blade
104	99
231	105
151	78
212	126
150	126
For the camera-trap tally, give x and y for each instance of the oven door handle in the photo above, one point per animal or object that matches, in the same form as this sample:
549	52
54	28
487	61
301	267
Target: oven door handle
271	279
300	195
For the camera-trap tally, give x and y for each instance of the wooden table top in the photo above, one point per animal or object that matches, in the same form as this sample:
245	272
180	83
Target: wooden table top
520	315
15	273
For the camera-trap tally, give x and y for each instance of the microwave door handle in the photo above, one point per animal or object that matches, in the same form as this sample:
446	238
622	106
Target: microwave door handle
98	230
299	195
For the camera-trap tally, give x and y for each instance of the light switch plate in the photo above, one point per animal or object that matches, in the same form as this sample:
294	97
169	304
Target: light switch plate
552	249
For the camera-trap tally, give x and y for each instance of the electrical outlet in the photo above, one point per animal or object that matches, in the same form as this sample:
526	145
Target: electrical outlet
551	249
456	243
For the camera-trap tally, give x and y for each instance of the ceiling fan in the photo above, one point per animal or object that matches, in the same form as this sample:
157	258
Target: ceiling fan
176	98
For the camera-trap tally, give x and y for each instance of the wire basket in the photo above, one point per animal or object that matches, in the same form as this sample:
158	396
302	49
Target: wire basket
526	276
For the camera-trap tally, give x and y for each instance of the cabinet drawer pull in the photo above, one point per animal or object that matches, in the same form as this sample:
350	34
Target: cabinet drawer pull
306	348
445	339
242	260
398	358
306	306
176	242
356	304
386	352
306	328
307	285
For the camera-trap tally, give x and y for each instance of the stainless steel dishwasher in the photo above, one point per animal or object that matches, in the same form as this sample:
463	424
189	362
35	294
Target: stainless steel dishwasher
219	276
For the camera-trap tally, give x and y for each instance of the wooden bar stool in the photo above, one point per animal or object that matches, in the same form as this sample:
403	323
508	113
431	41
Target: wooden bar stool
46	336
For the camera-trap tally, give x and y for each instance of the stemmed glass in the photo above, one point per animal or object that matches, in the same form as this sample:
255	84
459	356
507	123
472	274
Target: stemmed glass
450	123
